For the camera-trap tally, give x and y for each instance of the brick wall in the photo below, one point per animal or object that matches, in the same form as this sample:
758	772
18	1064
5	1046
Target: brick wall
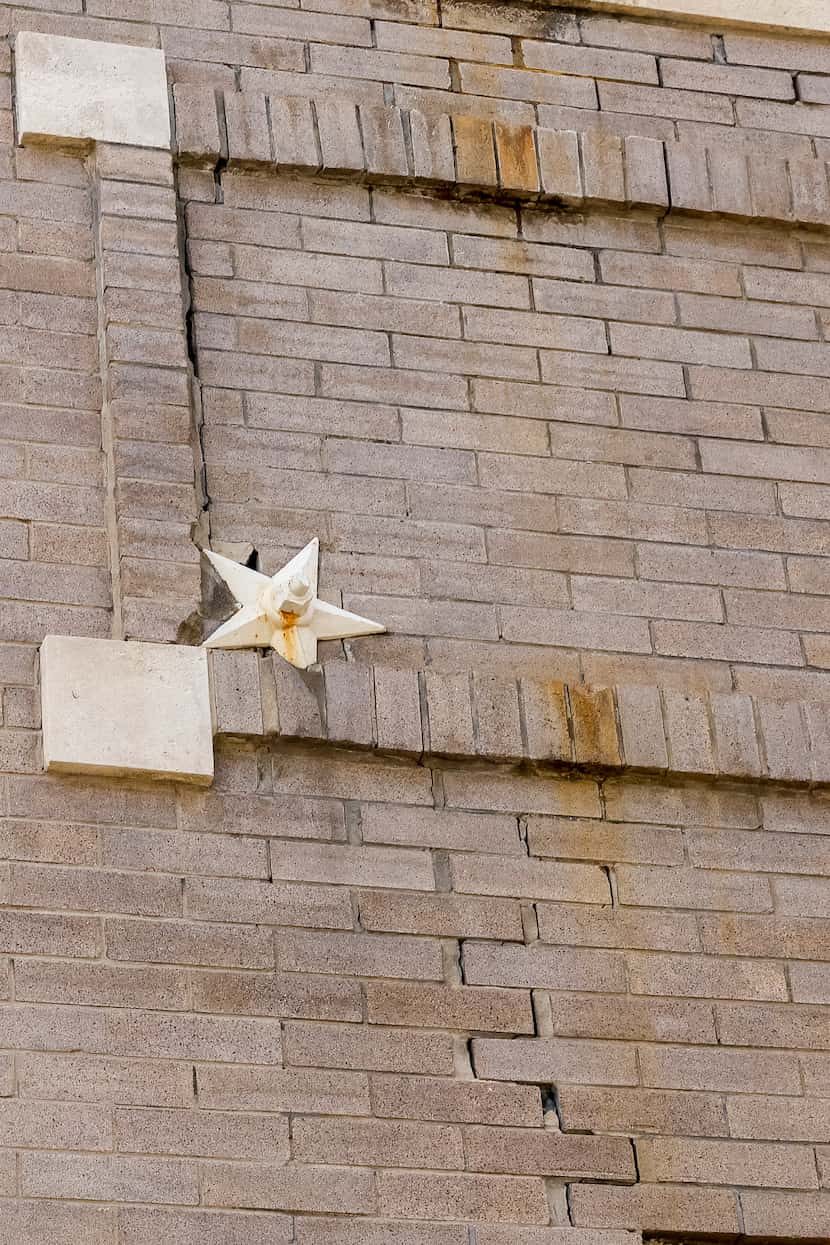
511	927
527	441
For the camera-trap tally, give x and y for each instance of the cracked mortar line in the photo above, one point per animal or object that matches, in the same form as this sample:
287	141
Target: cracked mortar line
200	533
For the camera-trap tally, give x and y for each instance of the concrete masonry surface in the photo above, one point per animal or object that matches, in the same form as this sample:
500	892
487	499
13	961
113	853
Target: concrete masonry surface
377	985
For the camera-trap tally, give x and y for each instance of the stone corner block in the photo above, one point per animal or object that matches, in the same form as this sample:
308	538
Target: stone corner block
79	89
111	707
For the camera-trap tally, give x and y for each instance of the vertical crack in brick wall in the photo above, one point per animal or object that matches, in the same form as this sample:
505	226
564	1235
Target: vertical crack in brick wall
107	442
153	482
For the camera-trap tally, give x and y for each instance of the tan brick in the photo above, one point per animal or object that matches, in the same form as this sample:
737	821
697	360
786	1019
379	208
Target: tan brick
269	1089
475	157
246	119
667	1208
600	300
449	700
185	942
688	732
594	726
701	977
259	1186
559	969
814	1070
445	916
433	157
692	888
377	1050
351	865
547	1153
667	804
59	1126
473	1102
197	123
804	1213
555	1060
364	955
338	1230
757	850
516	155
783	730
545	718
645	171
386	66
71	844
458	831
588	62
317	997
501	1198
239	815
376	1142
793	937
225	1038
104	984
486	1010
514	793
497	717
616	927
559	164
105	1079
603	166
94	890
802	896
30	1223
110	1178
735	1071
726	1162
209	1134
485	875
397	710
227	900
642	1110
784	1025
489	290
777	1119
586	840
199	1227
170	852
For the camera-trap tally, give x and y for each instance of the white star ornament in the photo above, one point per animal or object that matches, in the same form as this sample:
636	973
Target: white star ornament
283	612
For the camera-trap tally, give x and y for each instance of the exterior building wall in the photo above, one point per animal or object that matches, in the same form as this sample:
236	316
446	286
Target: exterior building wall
511	927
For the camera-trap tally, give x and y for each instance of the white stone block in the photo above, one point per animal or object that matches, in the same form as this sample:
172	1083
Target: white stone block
116	707
80	89
802	16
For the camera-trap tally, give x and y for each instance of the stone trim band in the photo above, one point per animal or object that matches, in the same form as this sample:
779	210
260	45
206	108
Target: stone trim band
387	145
466	716
805	16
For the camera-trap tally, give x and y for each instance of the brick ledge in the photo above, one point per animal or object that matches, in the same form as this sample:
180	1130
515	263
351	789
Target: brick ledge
474	717
467	155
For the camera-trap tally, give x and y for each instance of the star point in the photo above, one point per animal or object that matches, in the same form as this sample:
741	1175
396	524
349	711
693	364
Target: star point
283	612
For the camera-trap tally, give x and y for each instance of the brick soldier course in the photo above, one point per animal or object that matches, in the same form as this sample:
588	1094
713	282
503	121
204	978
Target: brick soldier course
512	926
